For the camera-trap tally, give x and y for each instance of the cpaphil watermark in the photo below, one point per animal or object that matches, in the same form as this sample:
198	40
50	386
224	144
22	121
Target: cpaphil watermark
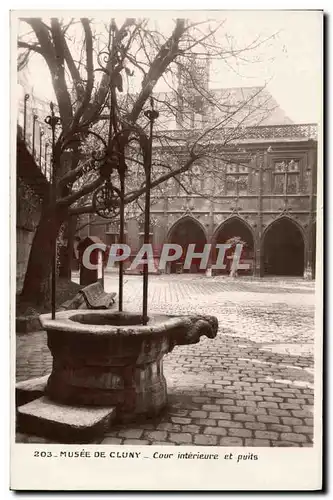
170	252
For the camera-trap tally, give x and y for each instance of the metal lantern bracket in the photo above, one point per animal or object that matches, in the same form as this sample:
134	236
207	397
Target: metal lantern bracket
52	121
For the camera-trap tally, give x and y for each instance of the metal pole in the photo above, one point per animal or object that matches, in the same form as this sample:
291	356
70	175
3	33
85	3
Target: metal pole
26	98
41	133
52	122
54	235
121	239
151	115
33	134
45	159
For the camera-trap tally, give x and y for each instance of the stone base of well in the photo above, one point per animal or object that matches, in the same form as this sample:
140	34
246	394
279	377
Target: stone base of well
64	423
109	358
106	366
30	389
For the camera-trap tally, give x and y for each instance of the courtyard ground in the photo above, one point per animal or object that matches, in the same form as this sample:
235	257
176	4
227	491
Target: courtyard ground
250	386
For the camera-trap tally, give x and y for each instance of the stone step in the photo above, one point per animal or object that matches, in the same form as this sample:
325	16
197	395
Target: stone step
30	389
63	423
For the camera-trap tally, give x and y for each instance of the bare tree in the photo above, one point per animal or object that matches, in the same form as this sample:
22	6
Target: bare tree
103	76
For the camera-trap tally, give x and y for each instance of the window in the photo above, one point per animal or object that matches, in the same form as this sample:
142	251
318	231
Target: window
237	179
231	184
286	177
292	183
278	187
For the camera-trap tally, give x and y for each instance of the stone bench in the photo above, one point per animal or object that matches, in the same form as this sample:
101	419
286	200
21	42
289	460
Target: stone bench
91	297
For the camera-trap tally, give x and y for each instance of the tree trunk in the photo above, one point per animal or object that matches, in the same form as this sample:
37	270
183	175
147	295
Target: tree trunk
36	286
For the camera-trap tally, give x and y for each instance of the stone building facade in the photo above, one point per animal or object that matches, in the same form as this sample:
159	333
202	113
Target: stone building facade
270	203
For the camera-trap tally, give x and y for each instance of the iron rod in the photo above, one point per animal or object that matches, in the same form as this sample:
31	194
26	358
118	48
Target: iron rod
26	98
45	159
147	227
121	239
53	205
33	134
41	133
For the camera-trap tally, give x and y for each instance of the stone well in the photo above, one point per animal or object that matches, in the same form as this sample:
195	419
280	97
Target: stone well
107	358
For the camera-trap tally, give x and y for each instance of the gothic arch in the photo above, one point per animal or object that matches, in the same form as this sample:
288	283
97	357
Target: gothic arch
181	220
283	246
229	220
184	231
235	226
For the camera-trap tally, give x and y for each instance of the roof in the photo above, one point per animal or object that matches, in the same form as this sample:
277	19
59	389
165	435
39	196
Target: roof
248	106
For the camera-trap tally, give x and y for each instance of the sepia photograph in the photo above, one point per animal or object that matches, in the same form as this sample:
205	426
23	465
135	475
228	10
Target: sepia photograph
166	237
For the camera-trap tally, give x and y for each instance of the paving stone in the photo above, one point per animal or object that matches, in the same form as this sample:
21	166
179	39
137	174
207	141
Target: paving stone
233	409
279	413
285	394
279	427
266	435
220	415
303	429
230	423
168	426
246	403
112	440
225	401
193	429
292	436
258	426
204	421
268	419
211	407
231	441
137	442
241	417
219	431
243	433
180	437
285	444
274	399
178	412
253	398
156	435
301	413
257	442
289	406
180	420
256	411
296	401
267	404
198	414
291	421
130	433
205	440
201	399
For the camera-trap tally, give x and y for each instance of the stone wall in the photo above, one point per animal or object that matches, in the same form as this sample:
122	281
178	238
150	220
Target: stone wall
28	215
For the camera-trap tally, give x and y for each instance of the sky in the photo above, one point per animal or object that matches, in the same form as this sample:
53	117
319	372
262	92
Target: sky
290	63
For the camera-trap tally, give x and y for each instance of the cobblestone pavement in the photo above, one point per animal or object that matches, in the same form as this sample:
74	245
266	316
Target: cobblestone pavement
251	386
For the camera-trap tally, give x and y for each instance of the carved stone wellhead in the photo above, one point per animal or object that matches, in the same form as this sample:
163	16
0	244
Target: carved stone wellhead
108	358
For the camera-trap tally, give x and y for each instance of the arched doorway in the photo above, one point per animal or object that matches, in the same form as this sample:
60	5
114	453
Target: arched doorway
235	229
283	249
187	230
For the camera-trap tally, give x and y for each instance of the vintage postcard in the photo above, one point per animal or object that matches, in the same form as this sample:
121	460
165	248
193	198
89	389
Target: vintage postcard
167	215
